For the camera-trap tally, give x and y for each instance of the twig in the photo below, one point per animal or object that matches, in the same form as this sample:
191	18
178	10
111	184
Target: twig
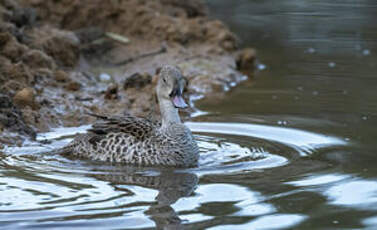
162	49
117	37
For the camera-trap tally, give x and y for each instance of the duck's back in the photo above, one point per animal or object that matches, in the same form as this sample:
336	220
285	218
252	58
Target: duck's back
137	141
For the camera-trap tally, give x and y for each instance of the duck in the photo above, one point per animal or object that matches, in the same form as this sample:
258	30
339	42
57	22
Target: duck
141	141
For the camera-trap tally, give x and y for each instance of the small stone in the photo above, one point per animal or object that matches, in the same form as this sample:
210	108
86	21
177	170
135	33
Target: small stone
25	97
73	86
111	92
366	52
310	50
104	77
245	60
261	66
332	64
61	76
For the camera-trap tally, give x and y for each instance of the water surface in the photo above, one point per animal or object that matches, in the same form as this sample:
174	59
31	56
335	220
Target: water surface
293	148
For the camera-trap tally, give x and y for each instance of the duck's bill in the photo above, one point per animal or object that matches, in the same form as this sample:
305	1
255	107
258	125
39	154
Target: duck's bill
179	102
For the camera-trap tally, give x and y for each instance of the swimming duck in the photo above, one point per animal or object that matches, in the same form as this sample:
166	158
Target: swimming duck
139	141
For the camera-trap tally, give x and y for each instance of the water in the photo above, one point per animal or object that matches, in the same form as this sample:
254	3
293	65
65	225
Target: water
40	190
293	148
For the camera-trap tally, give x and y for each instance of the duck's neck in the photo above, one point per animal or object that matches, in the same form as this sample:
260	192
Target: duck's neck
169	113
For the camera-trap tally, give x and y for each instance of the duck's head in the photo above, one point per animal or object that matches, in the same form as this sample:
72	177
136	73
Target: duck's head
170	86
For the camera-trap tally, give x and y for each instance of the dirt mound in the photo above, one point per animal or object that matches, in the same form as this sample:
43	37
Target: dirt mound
164	20
61	59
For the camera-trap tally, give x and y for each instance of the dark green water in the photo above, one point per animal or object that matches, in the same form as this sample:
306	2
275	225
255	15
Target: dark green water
293	148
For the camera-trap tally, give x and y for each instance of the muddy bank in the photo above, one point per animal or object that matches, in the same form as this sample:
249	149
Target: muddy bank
61	59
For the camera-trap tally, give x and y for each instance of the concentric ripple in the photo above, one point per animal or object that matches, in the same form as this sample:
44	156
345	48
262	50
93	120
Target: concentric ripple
43	190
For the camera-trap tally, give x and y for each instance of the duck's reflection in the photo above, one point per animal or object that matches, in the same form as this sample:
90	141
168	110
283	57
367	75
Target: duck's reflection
171	186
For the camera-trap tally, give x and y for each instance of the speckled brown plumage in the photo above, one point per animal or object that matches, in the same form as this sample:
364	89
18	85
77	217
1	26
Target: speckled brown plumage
139	141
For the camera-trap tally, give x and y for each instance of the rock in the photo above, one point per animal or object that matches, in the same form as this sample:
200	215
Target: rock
61	76
25	97
104	77
137	80
245	60
112	92
73	86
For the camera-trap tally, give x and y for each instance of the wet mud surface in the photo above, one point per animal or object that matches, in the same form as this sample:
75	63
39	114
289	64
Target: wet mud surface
56	65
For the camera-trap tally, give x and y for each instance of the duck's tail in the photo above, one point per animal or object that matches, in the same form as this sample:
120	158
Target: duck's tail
61	151
70	148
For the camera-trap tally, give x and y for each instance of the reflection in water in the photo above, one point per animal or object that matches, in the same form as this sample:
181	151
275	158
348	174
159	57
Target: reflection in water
171	186
359	193
131	196
277	221
343	189
319	180
370	222
304	142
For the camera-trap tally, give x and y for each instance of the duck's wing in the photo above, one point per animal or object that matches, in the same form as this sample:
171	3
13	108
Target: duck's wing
134	126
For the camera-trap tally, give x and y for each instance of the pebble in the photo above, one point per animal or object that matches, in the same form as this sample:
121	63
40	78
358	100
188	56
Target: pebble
311	50
61	76
332	64
111	92
261	66
366	52
282	122
25	97
104	77
246	59
74	86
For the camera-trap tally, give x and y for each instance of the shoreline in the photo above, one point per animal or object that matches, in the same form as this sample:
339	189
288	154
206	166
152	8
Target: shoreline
56	65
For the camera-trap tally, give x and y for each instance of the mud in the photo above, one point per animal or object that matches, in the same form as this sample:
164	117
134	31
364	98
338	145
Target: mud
56	64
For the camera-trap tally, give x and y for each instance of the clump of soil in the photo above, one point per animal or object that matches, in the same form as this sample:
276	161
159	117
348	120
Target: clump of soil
62	59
